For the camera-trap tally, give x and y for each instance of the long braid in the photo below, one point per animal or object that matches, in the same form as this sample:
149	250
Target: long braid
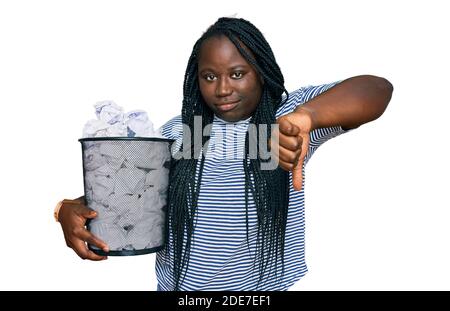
269	188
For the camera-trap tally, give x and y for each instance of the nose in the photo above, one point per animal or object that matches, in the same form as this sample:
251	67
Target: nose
223	88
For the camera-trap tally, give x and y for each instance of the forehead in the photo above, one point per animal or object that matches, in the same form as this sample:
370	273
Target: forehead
220	51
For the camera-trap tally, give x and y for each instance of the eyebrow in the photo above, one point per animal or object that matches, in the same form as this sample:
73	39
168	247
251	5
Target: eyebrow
234	67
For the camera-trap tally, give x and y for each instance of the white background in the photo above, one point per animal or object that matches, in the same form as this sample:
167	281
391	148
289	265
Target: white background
377	214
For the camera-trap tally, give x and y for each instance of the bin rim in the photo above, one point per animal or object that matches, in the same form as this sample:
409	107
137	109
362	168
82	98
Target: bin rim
126	139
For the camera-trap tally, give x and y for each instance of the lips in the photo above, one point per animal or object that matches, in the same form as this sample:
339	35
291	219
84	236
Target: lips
224	107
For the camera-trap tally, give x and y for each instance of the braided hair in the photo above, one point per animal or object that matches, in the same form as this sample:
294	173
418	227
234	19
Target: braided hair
269	188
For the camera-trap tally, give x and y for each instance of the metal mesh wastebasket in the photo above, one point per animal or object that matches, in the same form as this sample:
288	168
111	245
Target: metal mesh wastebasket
125	182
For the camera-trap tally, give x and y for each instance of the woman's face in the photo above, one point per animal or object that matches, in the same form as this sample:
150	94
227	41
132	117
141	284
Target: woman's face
230	86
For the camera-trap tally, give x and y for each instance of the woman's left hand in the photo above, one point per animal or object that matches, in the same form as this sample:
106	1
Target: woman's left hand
293	130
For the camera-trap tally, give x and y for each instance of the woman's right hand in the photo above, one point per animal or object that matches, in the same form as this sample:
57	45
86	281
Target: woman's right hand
72	217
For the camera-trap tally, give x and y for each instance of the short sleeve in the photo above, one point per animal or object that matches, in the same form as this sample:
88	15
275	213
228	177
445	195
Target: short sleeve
302	96
173	129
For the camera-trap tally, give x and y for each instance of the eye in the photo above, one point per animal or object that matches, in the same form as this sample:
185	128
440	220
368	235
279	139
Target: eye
210	77
237	75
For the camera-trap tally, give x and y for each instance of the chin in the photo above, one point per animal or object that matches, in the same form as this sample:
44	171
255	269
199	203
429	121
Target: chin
232	116
229	118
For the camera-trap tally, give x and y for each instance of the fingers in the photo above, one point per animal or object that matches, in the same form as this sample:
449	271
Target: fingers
71	213
293	147
288	156
287	166
293	161
288	159
78	244
288	150
287	128
84	253
86	212
292	143
72	221
289	135
88	237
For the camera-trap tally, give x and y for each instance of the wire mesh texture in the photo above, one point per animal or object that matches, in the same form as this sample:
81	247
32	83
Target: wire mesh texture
125	182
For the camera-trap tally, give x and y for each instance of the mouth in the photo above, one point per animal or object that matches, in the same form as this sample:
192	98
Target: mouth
227	107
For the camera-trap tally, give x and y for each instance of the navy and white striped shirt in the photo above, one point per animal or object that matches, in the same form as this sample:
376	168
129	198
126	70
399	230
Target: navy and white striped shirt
220	257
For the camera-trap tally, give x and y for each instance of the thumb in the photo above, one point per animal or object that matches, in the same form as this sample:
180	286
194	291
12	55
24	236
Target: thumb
297	174
88	213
